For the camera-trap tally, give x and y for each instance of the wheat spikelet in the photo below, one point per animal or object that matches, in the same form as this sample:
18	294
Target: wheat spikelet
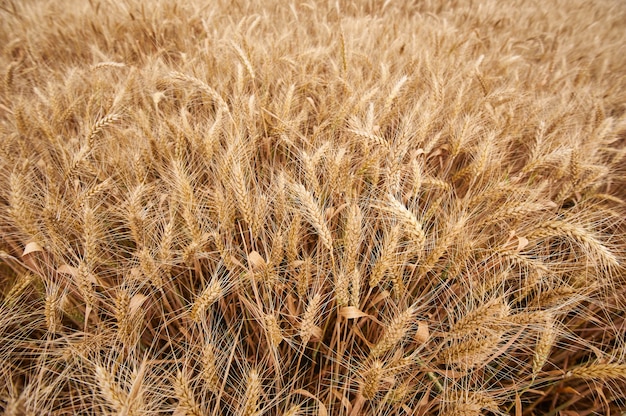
108	64
385	258
19	208
530	318
598	371
472	352
556	296
208	296
342	289
273	330
242	195
352	236
309	318
244	58
209	372
372	378
110	390
399	394
294	410
18	288
85	281
135	215
413	226
479	319
309	167
293	238
51	308
464	403
576	233
186	402
355	289
122	316
203	86
226	210
149	268
394	332
165	254
93	191
98	127
9	75
545	343
314	215
252	396
277	252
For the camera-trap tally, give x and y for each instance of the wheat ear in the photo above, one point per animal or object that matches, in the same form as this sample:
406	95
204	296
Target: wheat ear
252	397
208	296
395	332
308	323
314	215
598	372
186	402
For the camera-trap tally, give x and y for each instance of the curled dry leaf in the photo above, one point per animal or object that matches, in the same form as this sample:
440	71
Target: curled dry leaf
256	261
31	247
422	334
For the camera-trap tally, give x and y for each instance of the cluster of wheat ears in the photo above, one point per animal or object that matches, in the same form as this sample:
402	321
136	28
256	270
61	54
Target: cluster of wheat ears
312	207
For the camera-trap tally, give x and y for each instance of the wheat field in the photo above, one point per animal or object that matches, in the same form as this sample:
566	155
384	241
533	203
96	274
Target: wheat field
313	207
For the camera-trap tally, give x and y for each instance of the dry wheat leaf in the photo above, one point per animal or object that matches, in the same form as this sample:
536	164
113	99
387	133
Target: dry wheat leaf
316	334
31	247
322	409
67	269
522	242
569	390
343	399
136	302
351	312
256	261
422	334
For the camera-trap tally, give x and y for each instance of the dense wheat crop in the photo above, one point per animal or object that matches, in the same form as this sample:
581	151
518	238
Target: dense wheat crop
312	207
